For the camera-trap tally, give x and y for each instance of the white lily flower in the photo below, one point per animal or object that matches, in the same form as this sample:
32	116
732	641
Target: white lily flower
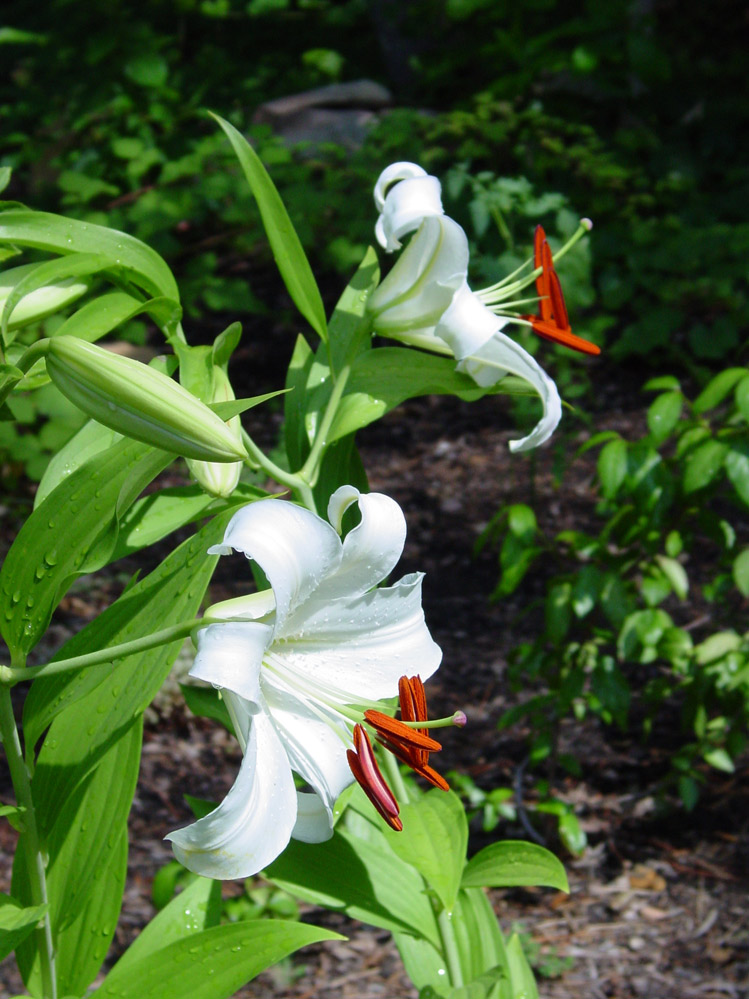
425	301
298	665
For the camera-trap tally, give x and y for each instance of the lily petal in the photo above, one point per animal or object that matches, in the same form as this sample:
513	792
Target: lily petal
402	170
315	739
253	823
312	819
371	549
295	548
404	194
359	648
487	357
421	285
230	655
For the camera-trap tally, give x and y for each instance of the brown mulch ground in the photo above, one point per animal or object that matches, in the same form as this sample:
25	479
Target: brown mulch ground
658	902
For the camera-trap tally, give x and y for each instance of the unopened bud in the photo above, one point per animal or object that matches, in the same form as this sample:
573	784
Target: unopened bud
220	478
138	401
40	303
460	719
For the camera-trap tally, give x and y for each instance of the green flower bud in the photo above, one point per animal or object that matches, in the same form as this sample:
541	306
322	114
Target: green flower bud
138	401
220	478
42	302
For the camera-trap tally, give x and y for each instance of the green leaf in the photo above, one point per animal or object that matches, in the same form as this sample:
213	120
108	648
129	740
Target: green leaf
675	573
14	815
479	940
295	403
718	388
665	382
737	469
741	572
233	407
91	439
433	841
381	379
513	863
349	328
56	234
522	982
287	250
719	759
612	467
16	923
196	908
663	415
703	464
49	272
717	646
521	520
206	702
742	397
101	315
88	863
424	963
45	558
93	720
362	878
5	171
212	964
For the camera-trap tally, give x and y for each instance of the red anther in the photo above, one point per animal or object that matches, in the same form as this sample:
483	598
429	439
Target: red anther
396	731
548	331
543	283
411	746
559	309
364	767
552	322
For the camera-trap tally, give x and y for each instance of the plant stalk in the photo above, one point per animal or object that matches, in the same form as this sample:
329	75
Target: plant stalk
34	860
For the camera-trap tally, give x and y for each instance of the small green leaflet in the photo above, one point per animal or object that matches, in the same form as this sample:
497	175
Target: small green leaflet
16	923
514	863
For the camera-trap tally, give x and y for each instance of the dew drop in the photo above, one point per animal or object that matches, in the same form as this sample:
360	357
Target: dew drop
16	597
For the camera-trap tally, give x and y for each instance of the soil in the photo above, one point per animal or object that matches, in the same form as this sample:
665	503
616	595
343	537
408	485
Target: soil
657	906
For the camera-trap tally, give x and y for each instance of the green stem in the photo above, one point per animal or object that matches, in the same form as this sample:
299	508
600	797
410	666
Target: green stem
11	674
450	948
271	469
397	784
311	468
34	861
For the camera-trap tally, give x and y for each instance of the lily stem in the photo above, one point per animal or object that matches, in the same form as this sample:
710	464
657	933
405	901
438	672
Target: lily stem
450	948
34	861
311	468
11	674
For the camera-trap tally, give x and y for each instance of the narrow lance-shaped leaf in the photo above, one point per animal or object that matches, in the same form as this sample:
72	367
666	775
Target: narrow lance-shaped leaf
56	234
49	273
212	964
287	249
106	312
196	908
66	536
